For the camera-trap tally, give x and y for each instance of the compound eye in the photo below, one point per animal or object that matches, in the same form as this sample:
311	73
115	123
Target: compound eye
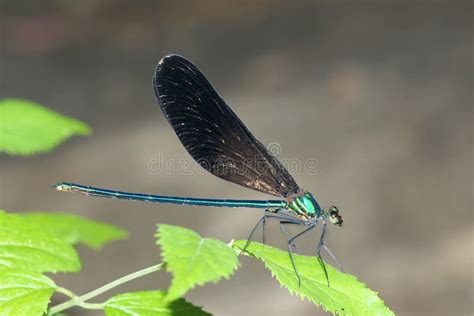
333	211
334	216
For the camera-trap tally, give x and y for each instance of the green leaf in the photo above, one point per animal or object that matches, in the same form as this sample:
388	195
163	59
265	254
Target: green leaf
27	246
24	292
74	229
151	303
193	260
27	127
345	295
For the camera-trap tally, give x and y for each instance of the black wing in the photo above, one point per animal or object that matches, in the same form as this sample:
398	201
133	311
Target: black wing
212	133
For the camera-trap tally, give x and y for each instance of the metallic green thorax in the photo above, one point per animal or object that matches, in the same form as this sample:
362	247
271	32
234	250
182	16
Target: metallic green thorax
305	205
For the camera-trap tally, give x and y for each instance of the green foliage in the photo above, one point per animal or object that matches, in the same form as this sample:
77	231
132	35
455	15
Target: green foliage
345	295
28	246
24	292
41	242
193	260
74	229
27	128
150	303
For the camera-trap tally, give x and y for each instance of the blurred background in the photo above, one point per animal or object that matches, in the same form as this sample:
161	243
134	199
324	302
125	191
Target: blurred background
379	93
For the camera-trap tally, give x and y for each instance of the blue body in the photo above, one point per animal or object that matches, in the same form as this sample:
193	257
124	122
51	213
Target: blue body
92	191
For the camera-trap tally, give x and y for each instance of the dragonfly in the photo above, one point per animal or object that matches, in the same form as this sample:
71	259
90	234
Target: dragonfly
220	143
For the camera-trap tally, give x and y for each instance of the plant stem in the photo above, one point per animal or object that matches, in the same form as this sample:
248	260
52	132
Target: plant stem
66	292
80	300
92	305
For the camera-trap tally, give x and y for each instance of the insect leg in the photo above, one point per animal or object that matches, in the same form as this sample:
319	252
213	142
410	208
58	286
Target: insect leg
290	252
333	257
318	251
283	230
249	239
